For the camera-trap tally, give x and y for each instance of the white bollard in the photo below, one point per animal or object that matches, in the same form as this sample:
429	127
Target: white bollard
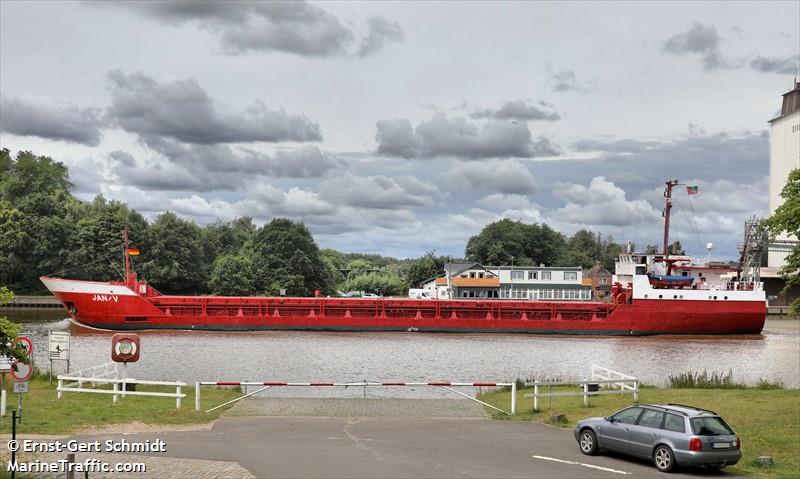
197	395
636	390
586	396
178	399
115	393
536	396
3	403
513	398
59	393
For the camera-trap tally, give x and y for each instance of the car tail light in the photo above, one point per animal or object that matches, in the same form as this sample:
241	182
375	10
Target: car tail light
738	444
695	444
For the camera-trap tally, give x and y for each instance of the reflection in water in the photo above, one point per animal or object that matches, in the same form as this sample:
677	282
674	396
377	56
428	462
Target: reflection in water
318	356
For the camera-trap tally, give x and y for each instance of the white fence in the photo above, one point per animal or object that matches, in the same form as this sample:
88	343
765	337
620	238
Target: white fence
90	374
601	377
442	384
117	390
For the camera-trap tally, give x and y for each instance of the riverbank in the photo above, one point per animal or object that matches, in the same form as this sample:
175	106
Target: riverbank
768	421
89	412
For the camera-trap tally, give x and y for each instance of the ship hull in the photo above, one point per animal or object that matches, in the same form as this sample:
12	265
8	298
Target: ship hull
117	307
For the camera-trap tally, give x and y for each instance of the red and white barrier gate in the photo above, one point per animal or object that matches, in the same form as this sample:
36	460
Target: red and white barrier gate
442	384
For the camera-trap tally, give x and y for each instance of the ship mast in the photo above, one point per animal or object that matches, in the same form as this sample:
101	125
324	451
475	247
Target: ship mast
126	258
667	207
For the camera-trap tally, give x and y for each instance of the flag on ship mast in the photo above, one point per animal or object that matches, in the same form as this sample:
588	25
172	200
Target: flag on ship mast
692	190
133	251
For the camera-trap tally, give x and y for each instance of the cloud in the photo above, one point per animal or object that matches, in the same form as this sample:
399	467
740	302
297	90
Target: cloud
510	177
700	40
717	196
293	27
457	137
788	65
565	80
51	121
182	110
520	110
601	203
378	192
381	31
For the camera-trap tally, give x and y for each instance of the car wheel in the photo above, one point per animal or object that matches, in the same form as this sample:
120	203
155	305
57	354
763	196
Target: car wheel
664	459
588	442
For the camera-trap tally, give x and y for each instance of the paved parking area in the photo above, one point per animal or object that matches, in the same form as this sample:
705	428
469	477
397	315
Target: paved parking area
393	447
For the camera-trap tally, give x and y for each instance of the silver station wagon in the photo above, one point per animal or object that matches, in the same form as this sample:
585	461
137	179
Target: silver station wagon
670	435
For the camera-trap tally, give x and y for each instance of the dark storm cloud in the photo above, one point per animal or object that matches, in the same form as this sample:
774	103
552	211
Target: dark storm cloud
703	41
788	65
520	110
182	110
381	31
457	137
50	121
295	27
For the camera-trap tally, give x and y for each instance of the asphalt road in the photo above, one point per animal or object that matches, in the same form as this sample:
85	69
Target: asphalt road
340	447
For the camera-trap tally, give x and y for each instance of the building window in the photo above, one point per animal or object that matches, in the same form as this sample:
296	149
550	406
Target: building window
472	274
480	275
545	275
518	275
532	275
570	276
603	280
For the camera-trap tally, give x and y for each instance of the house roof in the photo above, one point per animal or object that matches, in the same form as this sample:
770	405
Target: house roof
457	268
595	270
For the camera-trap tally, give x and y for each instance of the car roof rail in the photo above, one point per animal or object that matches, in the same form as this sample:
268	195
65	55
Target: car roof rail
692	407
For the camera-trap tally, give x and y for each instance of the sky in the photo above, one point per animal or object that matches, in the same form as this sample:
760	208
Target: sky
404	127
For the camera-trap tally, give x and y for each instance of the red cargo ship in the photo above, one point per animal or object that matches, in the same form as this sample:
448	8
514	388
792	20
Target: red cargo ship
645	300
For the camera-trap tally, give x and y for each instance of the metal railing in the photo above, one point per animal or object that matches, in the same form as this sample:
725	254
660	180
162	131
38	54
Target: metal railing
589	387
116	391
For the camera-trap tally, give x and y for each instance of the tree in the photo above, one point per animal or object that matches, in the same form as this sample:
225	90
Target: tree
285	256
232	276
384	284
9	331
786	219
172	256
427	267
528	244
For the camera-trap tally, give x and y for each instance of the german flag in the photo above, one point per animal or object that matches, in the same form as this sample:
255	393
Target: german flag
133	251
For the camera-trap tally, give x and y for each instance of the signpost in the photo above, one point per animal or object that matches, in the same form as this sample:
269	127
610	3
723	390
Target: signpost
124	349
21	372
58	348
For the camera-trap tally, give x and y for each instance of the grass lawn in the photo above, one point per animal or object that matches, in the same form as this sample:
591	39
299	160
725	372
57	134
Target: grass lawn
768	421
44	414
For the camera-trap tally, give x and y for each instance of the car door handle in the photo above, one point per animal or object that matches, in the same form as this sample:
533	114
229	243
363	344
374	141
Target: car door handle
626	429
652	434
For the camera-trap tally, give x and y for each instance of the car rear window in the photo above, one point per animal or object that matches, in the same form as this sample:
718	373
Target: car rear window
710	426
651	418
674	423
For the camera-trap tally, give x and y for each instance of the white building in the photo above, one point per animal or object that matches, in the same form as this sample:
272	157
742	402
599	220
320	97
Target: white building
540	282
784	156
475	281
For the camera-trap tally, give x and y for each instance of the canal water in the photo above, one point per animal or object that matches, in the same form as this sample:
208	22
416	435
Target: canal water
773	355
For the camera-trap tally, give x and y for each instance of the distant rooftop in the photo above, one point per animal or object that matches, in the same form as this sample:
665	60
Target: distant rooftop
791	101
